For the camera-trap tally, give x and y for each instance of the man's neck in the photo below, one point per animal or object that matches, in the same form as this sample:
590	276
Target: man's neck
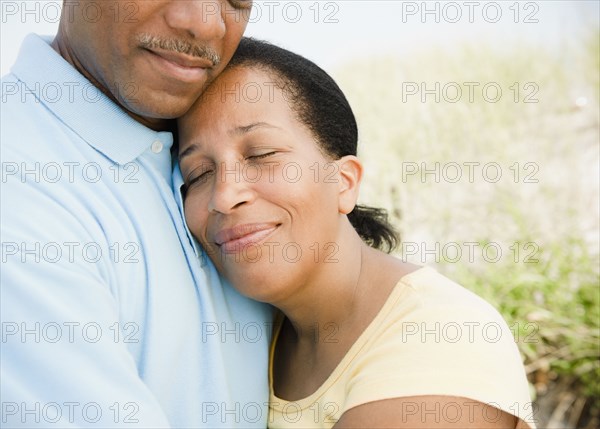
61	45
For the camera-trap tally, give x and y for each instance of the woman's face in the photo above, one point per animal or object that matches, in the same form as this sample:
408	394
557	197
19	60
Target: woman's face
261	197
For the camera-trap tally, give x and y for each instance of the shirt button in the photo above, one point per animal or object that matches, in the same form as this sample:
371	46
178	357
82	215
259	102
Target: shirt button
157	146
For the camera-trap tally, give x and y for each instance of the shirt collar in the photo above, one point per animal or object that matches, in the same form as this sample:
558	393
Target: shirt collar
177	191
80	105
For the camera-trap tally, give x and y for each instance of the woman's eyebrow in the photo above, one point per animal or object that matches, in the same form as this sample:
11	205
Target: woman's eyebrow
247	128
188	151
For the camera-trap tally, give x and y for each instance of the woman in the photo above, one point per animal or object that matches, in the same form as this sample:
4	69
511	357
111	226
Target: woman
268	158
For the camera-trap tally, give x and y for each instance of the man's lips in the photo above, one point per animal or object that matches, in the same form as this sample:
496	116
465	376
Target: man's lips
236	239
179	66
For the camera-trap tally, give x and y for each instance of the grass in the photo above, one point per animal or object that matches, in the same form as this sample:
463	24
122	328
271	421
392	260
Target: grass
543	213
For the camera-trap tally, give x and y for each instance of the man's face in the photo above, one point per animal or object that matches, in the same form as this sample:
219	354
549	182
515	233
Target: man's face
154	56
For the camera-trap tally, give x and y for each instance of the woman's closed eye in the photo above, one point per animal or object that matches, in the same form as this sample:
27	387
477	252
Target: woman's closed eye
201	175
199	178
261	156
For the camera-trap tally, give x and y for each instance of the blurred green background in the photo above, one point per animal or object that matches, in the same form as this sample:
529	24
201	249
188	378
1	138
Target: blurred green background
526	241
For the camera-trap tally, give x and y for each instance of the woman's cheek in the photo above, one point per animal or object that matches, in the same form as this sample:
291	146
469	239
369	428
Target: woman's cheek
194	217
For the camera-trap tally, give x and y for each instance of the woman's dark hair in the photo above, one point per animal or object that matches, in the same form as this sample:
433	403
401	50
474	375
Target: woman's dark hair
322	107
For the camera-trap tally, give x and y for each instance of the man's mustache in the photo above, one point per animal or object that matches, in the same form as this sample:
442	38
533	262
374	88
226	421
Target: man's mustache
149	41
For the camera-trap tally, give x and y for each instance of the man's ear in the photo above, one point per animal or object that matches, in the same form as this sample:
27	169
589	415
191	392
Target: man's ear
350	175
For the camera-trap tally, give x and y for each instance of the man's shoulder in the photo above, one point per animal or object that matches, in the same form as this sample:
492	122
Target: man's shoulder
6	80
30	130
18	98
36	89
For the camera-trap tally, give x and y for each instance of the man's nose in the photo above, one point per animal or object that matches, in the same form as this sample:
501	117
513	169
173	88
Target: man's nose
200	19
230	190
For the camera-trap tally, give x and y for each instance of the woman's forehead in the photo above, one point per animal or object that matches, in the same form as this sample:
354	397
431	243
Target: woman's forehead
240	91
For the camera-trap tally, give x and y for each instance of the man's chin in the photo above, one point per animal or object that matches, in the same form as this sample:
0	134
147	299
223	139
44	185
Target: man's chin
156	110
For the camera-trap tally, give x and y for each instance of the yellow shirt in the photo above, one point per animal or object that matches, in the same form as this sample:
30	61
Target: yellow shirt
431	337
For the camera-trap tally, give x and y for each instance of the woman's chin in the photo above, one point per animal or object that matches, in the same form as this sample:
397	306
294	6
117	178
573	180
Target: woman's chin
259	287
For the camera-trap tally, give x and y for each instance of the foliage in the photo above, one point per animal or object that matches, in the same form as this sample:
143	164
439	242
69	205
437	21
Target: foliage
543	213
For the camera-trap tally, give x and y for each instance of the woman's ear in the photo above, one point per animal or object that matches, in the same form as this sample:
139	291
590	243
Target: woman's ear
350	174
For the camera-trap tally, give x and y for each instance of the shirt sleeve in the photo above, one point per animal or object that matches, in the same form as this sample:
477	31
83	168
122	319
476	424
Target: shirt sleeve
453	345
64	361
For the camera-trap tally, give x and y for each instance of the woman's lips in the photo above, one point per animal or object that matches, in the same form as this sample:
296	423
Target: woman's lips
238	238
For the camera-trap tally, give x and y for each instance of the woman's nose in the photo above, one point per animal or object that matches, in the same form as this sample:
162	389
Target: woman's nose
230	189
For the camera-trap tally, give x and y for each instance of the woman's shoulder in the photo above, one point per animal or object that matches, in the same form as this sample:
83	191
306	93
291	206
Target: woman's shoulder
437	337
427	294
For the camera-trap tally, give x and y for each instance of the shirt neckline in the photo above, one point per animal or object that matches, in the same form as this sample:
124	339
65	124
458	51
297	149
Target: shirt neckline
279	404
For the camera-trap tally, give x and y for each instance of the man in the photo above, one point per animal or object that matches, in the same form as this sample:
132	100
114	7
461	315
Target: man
108	317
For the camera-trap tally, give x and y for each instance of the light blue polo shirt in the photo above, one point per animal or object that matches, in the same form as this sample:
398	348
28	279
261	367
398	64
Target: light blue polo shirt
109	317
